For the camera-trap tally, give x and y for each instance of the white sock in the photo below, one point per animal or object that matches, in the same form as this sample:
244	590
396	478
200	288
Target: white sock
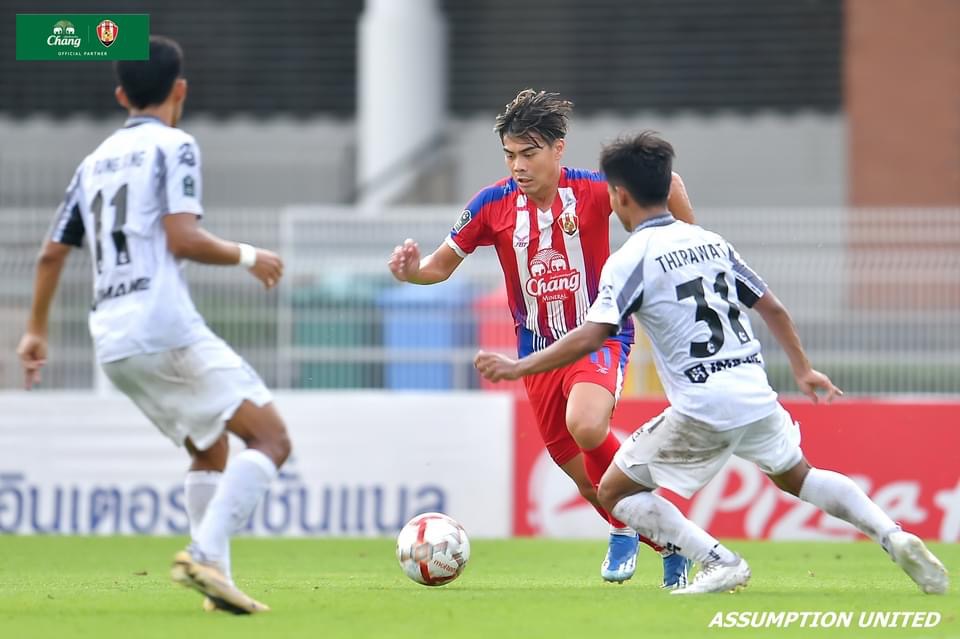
656	518
626	531
199	487
241	488
838	495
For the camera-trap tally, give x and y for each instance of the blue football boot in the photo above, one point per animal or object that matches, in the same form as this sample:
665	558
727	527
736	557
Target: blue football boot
621	560
676	570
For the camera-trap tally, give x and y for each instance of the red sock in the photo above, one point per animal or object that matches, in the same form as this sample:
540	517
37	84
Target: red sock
596	461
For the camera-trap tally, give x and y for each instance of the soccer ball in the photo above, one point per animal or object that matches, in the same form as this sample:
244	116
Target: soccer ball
433	549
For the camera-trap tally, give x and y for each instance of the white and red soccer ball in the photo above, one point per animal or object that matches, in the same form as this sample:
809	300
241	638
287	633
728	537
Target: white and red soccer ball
433	549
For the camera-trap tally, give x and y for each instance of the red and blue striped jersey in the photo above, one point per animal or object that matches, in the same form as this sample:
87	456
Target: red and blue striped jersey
551	259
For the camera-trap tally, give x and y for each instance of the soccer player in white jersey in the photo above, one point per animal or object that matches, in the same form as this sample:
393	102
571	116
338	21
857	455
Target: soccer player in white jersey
136	200
686	286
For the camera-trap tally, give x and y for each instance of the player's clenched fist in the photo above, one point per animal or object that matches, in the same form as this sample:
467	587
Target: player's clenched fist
268	268
404	262
496	367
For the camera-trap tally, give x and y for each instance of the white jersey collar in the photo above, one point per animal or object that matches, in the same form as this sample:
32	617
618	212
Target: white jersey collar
660	220
137	120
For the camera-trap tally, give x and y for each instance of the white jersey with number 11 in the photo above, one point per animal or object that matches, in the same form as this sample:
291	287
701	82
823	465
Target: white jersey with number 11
117	200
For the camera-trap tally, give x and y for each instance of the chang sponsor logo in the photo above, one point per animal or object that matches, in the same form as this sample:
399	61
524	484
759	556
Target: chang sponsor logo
551	278
63	34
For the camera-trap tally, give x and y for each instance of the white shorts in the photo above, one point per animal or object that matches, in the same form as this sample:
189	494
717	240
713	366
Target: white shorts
191	391
682	454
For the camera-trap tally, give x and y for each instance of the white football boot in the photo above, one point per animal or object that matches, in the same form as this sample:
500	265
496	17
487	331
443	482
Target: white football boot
910	553
717	577
208	579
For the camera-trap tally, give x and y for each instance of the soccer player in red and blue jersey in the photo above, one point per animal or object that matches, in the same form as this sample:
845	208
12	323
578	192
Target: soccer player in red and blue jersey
550	227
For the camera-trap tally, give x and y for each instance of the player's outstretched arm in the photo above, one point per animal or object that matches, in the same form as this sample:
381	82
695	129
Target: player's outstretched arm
406	264
678	201
586	338
187	240
781	326
32	349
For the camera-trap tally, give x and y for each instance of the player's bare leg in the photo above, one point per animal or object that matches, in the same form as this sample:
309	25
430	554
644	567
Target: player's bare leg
246	479
575	471
651	515
213	459
838	495
589	408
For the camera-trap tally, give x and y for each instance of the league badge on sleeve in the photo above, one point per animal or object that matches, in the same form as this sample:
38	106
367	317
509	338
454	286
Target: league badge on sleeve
185	154
463	220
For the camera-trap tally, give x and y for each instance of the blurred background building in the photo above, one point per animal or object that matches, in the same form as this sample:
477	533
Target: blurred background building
822	137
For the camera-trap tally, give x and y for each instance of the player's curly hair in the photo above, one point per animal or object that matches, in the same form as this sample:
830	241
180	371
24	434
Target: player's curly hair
535	113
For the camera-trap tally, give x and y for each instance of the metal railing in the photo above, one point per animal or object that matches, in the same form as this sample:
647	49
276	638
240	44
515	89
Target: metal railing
875	294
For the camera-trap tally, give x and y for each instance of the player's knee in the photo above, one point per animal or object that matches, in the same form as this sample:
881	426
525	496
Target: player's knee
589	432
274	442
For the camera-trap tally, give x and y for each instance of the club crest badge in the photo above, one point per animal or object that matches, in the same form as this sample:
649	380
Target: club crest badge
107	32
569	222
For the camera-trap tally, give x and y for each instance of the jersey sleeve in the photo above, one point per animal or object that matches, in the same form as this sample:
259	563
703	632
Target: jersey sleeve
180	176
68	223
594	185
750	286
601	197
472	228
620	294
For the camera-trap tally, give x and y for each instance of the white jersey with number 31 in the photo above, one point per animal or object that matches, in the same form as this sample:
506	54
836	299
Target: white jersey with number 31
117	200
687	287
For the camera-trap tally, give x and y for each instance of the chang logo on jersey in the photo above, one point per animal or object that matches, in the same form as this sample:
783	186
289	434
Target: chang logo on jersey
64	34
551	279
107	32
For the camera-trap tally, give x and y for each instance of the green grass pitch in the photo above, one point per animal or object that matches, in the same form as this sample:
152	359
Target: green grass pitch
58	587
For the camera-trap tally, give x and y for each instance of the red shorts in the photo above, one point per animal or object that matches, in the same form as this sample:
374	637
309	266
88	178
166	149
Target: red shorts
548	393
